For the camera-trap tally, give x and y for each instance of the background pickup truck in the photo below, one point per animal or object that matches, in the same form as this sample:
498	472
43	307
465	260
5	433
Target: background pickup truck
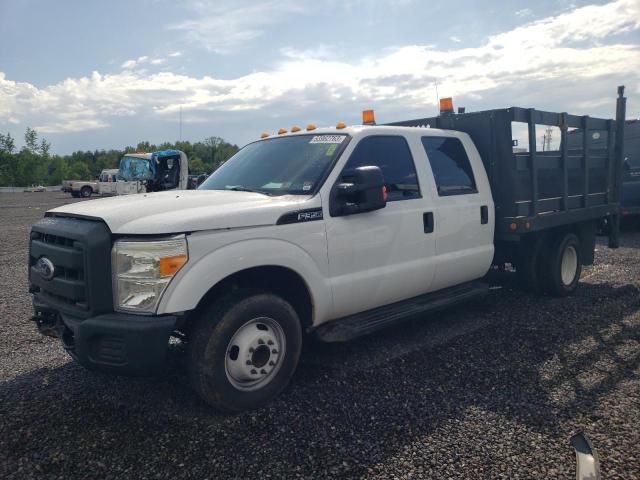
334	232
80	188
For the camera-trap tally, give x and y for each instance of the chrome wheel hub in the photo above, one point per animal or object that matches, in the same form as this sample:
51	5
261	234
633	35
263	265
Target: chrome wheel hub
254	354
569	265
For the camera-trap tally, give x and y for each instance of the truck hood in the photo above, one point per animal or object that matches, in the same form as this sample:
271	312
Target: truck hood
185	211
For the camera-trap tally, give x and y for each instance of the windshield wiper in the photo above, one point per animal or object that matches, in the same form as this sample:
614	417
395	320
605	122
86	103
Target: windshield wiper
240	188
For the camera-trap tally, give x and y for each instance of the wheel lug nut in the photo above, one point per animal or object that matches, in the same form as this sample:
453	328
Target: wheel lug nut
272	363
254	371
260	341
274	351
251	349
270	342
263	371
248	362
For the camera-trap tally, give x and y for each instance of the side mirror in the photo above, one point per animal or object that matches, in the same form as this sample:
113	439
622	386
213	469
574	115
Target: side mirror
360	190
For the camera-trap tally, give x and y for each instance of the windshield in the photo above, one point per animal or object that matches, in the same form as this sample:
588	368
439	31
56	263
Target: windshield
287	165
133	168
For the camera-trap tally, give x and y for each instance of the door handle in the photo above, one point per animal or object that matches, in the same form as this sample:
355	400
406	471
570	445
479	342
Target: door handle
484	214
427	219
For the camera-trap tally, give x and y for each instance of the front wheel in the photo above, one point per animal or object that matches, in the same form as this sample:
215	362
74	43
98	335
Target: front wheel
243	350
565	265
86	192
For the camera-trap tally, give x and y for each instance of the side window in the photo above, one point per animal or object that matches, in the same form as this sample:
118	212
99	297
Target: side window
392	155
450	165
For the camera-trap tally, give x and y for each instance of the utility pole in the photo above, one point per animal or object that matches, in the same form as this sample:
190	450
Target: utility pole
546	140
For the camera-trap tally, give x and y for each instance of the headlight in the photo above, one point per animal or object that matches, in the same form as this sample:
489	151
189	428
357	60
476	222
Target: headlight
143	269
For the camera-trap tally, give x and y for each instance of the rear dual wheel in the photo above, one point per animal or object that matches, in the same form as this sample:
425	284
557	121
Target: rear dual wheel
565	265
552	265
529	267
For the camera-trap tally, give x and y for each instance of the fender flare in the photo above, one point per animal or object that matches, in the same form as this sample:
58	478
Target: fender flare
195	279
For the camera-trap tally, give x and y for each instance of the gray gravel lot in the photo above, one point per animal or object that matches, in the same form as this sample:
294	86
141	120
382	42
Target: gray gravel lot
493	389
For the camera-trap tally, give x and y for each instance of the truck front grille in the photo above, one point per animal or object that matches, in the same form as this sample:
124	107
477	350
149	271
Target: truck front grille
79	251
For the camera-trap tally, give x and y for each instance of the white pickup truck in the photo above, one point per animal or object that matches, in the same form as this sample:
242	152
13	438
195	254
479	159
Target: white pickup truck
335	232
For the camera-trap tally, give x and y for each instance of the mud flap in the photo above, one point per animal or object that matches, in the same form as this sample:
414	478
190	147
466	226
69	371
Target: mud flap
588	464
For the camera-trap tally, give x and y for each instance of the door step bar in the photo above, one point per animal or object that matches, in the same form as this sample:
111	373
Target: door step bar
364	323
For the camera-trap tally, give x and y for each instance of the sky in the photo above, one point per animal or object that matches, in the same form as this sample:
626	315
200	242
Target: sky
106	74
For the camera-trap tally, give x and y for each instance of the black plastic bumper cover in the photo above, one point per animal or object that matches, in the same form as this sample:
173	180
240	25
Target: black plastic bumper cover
119	343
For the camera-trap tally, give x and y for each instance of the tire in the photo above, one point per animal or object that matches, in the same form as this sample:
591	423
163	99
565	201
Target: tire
565	265
247	335
529	267
86	192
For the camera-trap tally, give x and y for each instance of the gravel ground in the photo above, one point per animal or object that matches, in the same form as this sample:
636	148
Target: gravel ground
490	390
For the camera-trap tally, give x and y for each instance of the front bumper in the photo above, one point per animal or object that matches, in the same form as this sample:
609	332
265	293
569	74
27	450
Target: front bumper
112	342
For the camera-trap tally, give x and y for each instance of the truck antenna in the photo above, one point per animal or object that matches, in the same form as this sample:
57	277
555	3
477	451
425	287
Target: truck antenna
180	137
437	98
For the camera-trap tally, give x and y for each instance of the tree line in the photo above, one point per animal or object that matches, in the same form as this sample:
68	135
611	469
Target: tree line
34	164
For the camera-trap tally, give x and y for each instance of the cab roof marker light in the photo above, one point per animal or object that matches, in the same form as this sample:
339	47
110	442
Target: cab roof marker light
310	127
341	125
295	129
368	117
264	135
282	131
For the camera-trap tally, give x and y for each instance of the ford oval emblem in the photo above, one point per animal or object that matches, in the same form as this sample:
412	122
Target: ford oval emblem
45	268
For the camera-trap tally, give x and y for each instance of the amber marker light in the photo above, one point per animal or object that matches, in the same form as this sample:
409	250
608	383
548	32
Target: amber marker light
295	129
446	105
310	127
368	117
282	131
169	266
264	135
513	226
341	125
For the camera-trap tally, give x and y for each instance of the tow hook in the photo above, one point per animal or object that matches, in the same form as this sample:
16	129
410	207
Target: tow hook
48	324
588	464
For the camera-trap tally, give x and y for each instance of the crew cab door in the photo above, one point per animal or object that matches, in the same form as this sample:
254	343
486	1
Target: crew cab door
463	210
382	256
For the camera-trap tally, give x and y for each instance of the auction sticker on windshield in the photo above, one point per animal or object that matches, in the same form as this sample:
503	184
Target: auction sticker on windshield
328	139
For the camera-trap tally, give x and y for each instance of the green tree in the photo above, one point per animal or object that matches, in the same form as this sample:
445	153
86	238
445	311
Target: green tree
58	170
7	144
79	171
44	148
196	166
31	140
34	163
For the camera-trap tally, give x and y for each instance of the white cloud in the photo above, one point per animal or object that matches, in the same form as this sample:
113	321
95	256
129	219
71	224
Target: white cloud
175	54
455	39
536	61
320	51
525	12
145	59
129	64
226	25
